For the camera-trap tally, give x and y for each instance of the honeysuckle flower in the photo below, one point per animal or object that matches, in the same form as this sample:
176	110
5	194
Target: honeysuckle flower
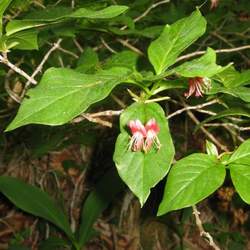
152	139
214	4
197	86
138	132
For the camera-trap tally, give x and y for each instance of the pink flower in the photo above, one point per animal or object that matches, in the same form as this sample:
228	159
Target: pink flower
144	137
138	134
152	139
197	86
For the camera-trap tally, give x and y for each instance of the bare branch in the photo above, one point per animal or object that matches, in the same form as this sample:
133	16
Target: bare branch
107	46
207	133
45	58
40	66
78	45
79	182
200	106
217	51
125	43
145	13
5	61
95	117
203	233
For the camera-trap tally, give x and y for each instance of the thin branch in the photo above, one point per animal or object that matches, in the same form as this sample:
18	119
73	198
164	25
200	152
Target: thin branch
200	106
78	45
68	52
217	51
65	51
130	46
118	101
5	61
74	198
40	66
217	35
107	46
203	233
46	57
106	113
98	121
159	99
95	117
207	133
145	13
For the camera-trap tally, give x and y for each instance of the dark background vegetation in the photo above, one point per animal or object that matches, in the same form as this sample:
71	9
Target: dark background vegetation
74	158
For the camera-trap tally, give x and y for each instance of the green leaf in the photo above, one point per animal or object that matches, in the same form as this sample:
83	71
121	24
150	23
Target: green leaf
241	92
3	6
34	201
53	243
169	84
88	60
125	58
225	113
241	153
142	171
24	40
174	39
205	66
211	149
240	175
59	14
63	94
191	180
231	78
109	12
104	192
18	247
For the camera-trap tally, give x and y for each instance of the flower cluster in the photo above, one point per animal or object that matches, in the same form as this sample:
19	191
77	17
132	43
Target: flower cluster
197	86
144	137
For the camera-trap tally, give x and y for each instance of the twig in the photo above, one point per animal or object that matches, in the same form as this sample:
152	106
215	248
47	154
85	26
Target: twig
118	101
73	201
200	106
203	233
145	13
130	46
78	45
158	99
107	46
106	113
217	35
98	121
40	66
94	117
217	51
207	133
68	52
5	61
11	93
45	58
